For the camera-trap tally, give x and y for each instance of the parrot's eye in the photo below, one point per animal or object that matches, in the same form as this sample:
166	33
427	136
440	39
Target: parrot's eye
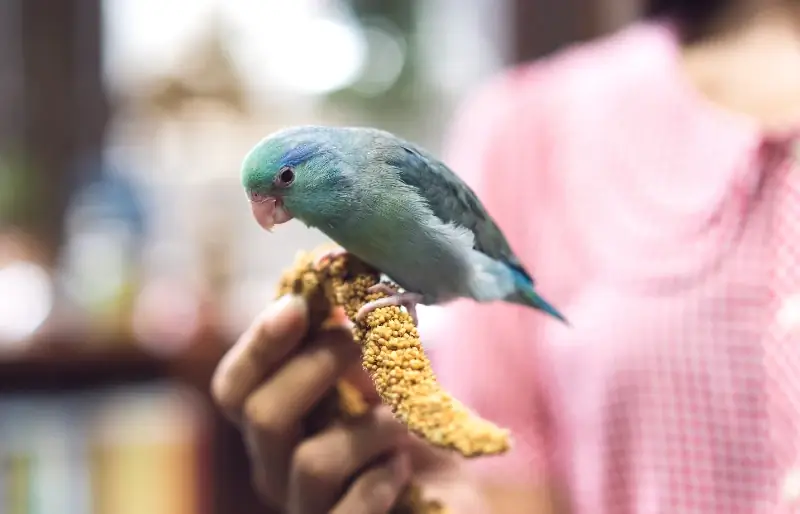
285	177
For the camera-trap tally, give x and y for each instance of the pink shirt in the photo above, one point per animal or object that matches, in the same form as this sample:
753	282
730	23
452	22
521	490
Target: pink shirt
667	231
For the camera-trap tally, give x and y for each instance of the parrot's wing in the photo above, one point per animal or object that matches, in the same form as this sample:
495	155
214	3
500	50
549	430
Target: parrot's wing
453	201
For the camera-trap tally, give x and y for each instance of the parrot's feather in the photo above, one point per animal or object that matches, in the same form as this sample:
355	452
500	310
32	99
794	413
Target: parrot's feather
454	202
532	298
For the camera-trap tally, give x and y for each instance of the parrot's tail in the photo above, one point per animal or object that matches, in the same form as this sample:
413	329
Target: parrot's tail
533	299
497	280
526	295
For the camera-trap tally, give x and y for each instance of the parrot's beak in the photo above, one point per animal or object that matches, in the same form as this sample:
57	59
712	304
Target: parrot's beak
270	212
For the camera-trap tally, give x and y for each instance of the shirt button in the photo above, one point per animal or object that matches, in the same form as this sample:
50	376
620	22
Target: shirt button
790	491
789	314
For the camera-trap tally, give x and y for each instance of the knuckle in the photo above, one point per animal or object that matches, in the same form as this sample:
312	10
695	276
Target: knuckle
311	465
379	497
260	416
226	386
383	496
220	392
260	334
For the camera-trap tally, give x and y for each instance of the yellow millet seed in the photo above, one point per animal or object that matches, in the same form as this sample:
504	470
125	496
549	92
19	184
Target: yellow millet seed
393	356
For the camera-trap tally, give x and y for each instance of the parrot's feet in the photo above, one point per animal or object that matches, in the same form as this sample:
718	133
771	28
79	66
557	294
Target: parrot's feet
407	300
328	256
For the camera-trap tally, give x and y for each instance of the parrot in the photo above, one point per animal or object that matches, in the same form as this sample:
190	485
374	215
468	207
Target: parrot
395	206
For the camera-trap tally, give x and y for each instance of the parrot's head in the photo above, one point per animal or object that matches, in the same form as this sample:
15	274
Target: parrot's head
291	173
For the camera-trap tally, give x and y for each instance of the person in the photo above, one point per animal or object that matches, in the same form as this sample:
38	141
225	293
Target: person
648	180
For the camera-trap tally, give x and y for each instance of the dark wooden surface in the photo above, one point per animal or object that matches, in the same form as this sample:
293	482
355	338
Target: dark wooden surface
61	370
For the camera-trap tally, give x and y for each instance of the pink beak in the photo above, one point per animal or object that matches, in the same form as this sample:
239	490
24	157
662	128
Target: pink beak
270	212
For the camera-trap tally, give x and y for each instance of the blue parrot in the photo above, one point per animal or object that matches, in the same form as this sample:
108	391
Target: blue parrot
394	206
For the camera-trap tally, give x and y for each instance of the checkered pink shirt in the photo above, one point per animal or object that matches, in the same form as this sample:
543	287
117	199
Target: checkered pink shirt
668	232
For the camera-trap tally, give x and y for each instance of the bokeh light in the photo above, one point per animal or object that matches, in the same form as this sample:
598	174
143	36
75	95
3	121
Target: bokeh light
26	299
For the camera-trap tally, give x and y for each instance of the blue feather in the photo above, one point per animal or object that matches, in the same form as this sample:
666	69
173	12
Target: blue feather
299	154
524	287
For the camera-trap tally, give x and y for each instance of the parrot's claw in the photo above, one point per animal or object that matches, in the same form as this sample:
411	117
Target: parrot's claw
328	256
407	300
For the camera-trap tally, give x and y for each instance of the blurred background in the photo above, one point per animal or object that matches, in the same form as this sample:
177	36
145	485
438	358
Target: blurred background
129	261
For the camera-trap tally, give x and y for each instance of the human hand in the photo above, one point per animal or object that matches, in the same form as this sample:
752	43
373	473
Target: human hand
268	384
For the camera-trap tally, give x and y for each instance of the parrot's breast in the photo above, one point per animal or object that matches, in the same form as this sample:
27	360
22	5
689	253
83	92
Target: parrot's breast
432	261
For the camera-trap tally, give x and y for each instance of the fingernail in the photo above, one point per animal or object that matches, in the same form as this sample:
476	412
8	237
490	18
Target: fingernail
285	310
285	303
401	467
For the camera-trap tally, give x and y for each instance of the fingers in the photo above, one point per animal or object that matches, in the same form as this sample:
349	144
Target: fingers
259	350
378	489
322	466
268	383
295	388
274	412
